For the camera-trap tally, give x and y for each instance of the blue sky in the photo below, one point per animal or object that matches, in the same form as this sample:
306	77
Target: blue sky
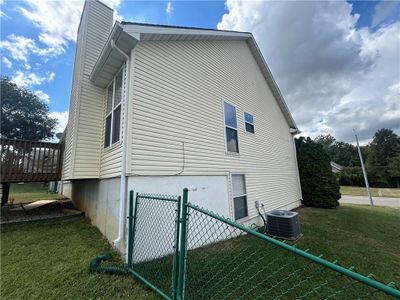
36	56
199	14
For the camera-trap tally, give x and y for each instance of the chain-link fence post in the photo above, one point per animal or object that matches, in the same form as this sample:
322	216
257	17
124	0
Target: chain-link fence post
182	248
175	268
131	227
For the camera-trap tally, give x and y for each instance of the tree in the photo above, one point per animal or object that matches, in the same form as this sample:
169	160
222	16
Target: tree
382	151
23	114
351	176
344	154
394	168
327	141
318	183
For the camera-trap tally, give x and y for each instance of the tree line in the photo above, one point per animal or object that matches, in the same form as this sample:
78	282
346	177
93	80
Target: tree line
321	187
381	157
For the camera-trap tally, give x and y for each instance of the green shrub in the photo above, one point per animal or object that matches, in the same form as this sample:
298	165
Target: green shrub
351	176
319	185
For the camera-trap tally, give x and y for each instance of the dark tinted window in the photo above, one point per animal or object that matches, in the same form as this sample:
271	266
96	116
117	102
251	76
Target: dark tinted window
240	204
249	122
248	117
116	124
118	89
230	115
231	140
107	132
249	128
110	93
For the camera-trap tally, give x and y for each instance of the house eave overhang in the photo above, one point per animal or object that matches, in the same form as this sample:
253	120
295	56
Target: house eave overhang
110	59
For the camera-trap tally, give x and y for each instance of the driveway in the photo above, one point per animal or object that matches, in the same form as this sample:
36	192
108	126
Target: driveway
378	201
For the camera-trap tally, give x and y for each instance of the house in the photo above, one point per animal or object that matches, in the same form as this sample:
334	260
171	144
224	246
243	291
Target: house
156	108
336	168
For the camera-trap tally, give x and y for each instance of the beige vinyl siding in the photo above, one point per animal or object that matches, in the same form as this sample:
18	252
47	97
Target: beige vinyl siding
111	158
111	162
67	169
178	94
84	140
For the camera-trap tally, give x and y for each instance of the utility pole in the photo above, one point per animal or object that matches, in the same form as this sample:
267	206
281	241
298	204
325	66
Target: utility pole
363	170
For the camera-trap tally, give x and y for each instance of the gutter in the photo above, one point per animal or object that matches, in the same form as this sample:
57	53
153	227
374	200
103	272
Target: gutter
122	193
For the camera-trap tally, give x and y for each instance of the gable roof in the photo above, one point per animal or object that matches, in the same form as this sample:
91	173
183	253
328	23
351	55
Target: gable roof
126	35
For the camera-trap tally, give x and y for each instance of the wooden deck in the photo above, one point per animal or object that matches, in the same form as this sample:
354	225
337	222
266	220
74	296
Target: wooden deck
30	161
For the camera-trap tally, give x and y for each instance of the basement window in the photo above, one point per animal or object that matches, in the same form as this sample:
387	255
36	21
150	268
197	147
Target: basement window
239	196
231	133
249	122
112	130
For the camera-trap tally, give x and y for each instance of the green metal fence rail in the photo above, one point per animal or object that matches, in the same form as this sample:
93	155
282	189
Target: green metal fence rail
183	251
231	261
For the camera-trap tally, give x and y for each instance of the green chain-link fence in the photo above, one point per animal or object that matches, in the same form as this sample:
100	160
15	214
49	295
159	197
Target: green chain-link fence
153	241
228	261
183	251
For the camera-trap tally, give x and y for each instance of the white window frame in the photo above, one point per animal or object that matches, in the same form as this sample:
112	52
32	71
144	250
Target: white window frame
244	123
237	196
113	81
225	125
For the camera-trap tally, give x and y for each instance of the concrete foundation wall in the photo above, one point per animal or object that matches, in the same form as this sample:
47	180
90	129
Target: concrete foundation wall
66	188
210	192
99	199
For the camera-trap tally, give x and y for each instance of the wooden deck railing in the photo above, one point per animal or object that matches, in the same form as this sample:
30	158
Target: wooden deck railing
27	161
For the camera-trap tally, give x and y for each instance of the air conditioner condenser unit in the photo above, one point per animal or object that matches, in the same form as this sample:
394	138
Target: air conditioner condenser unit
283	224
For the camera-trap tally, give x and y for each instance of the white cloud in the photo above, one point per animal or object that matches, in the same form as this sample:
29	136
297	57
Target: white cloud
383	10
43	96
20	48
169	9
58	20
334	76
2	14
28	79
62	118
7	62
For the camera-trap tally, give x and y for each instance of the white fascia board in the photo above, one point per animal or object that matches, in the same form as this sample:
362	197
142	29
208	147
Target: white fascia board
157	30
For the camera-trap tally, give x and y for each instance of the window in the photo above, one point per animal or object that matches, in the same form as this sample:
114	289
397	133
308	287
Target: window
239	196
249	122
231	133
113	111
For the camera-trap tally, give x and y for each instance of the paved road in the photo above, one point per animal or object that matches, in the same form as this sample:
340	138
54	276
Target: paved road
378	201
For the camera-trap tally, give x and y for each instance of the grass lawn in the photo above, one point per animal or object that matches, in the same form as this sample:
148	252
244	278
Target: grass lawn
356	235
28	192
376	192
247	267
50	260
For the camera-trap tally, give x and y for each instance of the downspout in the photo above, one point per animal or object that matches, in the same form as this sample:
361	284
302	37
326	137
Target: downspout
293	132
122	192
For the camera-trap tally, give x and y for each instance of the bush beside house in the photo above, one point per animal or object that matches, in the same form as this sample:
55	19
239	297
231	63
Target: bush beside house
319	185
